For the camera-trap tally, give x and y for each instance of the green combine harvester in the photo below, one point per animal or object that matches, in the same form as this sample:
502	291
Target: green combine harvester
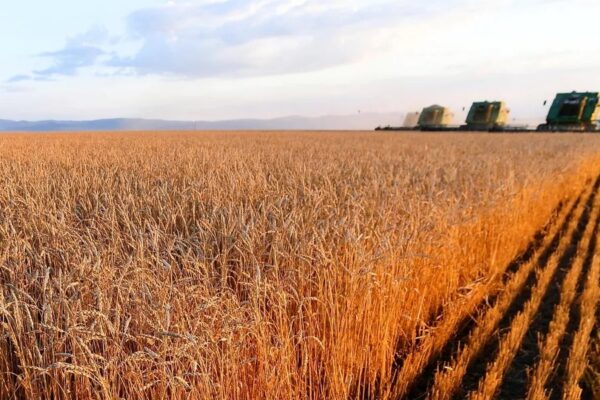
570	112
487	116
435	118
573	112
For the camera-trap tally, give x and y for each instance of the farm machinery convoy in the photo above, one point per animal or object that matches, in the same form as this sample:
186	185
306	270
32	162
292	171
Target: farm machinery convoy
569	112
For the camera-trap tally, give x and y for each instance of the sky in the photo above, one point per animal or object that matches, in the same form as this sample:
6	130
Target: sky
222	59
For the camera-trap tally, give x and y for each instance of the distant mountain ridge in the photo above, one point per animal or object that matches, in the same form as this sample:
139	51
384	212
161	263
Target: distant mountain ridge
359	121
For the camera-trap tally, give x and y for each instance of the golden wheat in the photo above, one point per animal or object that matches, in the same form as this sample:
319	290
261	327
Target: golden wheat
258	265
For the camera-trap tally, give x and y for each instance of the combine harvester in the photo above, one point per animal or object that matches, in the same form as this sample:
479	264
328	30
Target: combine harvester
411	120
570	112
435	118
487	116
573	112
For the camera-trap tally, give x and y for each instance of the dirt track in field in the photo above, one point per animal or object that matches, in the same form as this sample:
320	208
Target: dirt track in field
492	371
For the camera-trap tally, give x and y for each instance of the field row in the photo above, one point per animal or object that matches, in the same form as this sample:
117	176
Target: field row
531	337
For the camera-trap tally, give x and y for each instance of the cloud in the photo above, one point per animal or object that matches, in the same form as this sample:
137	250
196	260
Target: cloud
19	78
233	38
69	60
241	38
80	51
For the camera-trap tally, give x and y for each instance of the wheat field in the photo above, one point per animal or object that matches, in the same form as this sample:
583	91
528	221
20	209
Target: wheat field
264	265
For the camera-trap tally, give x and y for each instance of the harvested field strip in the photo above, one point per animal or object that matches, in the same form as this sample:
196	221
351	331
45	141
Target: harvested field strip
411	379
518	349
562	321
560	380
577	358
417	381
449	379
529	351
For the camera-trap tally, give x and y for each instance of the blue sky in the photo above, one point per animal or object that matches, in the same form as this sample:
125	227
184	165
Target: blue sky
215	59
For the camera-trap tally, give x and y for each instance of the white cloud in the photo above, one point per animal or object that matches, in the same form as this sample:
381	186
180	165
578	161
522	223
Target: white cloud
242	38
236	38
80	51
230	58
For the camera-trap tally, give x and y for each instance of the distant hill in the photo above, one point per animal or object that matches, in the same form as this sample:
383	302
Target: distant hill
359	121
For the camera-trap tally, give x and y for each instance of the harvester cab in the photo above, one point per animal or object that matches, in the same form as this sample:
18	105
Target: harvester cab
435	118
573	112
487	116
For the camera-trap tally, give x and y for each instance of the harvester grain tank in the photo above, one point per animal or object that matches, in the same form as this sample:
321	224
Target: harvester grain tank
487	116
435	117
575	111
